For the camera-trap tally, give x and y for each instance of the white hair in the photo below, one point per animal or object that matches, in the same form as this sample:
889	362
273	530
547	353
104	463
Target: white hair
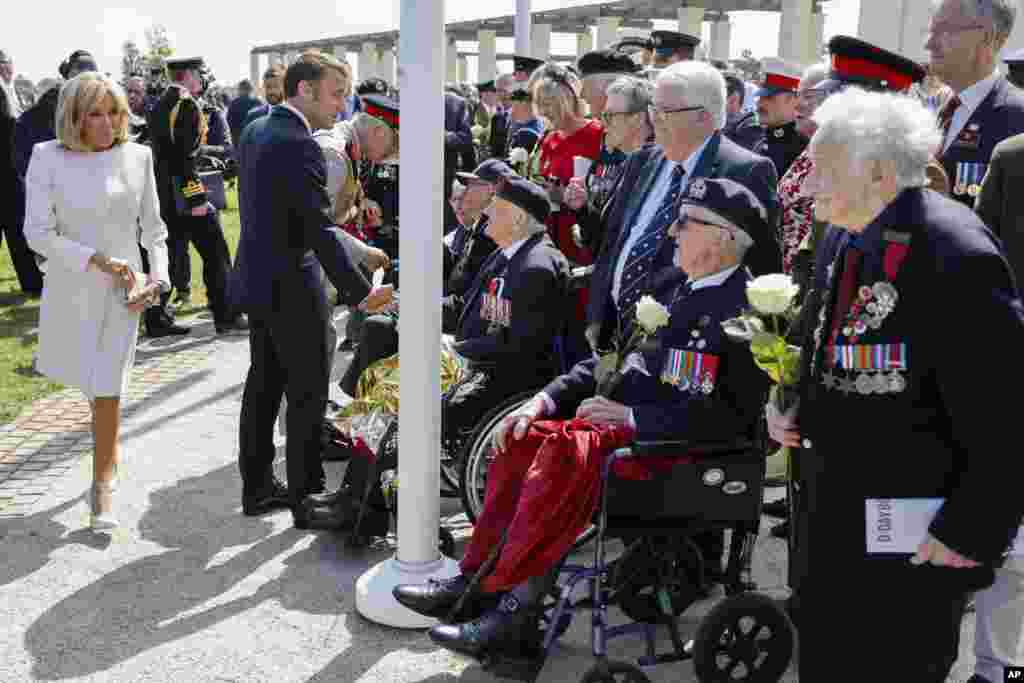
1000	14
701	84
880	127
534	226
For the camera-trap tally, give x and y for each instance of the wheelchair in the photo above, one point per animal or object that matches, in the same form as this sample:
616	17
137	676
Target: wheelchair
746	637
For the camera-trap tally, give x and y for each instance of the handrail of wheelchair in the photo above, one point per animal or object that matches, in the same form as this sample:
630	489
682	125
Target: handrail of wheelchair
645	448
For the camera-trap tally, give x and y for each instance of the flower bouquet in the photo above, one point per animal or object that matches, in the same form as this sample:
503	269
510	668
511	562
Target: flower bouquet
614	364
765	326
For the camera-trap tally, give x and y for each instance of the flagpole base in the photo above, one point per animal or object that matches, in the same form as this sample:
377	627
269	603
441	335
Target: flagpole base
373	590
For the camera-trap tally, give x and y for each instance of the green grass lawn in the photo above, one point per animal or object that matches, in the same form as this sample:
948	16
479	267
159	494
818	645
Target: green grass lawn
19	319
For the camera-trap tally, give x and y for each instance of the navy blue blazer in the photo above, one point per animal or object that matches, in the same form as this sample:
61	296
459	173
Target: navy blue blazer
238	111
999	116
458	138
721	398
513	312
944	429
722	158
287	228
255	113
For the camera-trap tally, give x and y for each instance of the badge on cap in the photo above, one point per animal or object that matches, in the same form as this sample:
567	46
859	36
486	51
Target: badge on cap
779	132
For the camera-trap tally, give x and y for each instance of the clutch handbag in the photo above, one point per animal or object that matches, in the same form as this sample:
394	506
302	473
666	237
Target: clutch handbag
213	181
141	280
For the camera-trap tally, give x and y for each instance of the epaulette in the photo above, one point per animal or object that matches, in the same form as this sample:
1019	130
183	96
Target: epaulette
192	188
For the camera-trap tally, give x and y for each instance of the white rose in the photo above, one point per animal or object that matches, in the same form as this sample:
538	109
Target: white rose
477	131
650	314
772	294
518	155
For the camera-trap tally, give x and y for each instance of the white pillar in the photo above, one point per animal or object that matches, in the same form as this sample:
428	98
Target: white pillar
817	37
254	68
368	61
691	19
341	52
522	26
451	60
721	33
421	77
607	31
463	69
584	43
275	58
386	65
540	42
487	62
290	57
795	30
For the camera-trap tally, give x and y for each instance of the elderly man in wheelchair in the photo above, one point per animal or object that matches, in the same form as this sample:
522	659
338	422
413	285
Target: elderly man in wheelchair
687	380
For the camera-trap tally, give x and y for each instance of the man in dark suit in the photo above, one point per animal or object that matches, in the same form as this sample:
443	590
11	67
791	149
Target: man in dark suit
287	235
985	109
240	108
458	143
12	190
688	115
901	437
273	91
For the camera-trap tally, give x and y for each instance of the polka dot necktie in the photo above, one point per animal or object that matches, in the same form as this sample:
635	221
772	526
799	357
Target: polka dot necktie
641	255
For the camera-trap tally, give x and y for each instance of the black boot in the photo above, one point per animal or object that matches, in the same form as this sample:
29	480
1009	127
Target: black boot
509	628
159	324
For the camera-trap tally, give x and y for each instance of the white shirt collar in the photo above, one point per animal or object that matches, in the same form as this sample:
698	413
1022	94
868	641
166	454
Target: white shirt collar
713	280
302	117
511	249
973	95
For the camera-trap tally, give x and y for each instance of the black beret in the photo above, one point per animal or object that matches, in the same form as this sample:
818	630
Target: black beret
372	86
520	95
733	202
489	171
527	64
486	87
860	62
672	40
606	62
381	107
79	60
184	63
527	196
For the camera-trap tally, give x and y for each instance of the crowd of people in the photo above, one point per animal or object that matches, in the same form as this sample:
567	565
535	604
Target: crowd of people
577	198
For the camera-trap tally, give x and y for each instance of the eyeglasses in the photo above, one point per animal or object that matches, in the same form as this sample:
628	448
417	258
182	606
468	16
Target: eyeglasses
658	113
609	116
939	30
679	226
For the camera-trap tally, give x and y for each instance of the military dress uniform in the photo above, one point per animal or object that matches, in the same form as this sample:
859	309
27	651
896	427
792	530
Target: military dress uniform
900	422
782	144
178	129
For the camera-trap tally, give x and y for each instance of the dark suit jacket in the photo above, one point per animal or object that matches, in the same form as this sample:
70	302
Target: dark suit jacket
945	434
1001	201
727	407
11	190
999	116
237	113
458	139
255	113
722	158
287	229
534	288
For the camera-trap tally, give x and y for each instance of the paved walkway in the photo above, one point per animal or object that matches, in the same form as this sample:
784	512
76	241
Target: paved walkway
189	589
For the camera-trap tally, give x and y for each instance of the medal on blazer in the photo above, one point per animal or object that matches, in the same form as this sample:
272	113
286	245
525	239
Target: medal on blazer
691	371
493	307
876	368
968	178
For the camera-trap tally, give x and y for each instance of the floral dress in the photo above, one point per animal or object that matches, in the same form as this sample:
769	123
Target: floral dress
797	209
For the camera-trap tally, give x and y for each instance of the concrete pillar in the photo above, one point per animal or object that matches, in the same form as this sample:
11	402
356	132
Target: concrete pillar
795	30
451	60
607	31
522	27
290	57
368	61
341	52
817	37
386	65
254	68
463	69
275	58
487	62
691	19
880	23
584	43
721	33
540	42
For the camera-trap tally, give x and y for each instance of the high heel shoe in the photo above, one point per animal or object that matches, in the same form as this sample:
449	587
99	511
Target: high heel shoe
101	500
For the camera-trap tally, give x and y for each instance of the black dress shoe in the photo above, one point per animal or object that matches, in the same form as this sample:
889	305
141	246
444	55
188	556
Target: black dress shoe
510	629
165	328
237	325
776	508
274	497
321	517
781	530
325	498
435	598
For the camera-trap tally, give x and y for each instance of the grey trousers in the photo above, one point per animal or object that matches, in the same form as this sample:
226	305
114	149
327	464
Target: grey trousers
999	630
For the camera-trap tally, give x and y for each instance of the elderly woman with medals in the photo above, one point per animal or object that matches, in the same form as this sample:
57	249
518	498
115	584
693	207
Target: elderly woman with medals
685	379
907	498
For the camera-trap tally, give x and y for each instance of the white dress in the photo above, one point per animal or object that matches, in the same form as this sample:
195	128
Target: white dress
78	203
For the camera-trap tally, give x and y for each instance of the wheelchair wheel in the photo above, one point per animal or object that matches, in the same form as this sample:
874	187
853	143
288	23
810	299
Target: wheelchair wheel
746	637
477	453
615	672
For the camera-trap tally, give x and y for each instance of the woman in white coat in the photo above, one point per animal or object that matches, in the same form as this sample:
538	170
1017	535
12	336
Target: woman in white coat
91	199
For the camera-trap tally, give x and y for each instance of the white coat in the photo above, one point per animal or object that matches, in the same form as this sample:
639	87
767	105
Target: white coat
78	203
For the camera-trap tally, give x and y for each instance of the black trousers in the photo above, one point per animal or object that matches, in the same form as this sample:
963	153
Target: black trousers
288	356
206	234
378	339
30	278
